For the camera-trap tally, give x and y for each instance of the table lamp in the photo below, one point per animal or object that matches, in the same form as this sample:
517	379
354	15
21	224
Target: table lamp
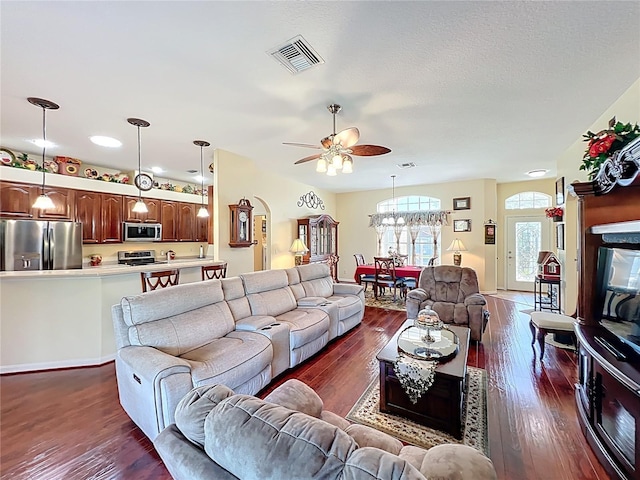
298	248
457	246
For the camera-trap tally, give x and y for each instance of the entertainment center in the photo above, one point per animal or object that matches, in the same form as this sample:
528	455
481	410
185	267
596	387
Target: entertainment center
608	332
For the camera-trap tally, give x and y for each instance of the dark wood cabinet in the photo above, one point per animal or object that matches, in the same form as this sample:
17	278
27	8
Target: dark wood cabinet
608	390
202	228
153	215
64	204
169	215
320	235
186	222
16	199
101	215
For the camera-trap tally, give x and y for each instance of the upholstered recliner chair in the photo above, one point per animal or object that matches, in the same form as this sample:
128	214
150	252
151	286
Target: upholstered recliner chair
453	293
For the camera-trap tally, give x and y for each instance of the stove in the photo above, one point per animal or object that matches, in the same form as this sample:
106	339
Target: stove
137	257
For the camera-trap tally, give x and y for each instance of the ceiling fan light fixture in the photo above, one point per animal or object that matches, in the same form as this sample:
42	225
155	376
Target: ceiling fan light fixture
337	161
347	164
321	166
331	170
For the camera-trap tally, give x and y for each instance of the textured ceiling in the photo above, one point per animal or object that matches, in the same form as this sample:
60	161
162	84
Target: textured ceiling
462	89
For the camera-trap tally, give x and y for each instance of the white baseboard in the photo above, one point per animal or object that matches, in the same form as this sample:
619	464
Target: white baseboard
31	367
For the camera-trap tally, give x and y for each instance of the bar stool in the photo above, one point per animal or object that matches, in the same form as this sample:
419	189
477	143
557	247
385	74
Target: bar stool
161	279
209	272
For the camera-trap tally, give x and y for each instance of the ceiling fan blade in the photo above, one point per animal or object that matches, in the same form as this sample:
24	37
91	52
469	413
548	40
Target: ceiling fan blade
308	159
305	145
347	137
327	141
369	150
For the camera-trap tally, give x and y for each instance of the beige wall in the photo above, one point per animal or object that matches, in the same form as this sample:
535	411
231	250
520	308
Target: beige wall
271	195
625	109
355	236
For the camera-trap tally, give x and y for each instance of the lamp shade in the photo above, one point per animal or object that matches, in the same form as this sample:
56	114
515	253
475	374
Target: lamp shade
457	246
298	247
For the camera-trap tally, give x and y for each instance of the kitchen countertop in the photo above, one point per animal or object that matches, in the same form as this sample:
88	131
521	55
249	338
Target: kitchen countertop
108	269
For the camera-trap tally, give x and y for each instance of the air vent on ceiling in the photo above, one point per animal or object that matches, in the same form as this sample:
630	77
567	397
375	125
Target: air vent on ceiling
296	55
406	165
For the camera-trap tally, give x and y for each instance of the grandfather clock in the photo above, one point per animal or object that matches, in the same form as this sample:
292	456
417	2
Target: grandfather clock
241	231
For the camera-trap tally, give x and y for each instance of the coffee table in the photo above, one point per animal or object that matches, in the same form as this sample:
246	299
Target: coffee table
441	406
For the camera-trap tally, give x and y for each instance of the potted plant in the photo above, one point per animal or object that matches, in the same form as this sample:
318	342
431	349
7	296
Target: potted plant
555	213
605	143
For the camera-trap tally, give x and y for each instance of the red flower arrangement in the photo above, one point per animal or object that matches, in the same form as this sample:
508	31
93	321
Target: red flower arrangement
553	212
604	143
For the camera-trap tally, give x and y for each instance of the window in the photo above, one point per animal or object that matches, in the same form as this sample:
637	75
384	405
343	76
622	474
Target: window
424	243
527	200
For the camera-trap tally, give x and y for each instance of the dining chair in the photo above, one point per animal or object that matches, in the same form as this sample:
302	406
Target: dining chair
385	276
365	278
209	272
161	279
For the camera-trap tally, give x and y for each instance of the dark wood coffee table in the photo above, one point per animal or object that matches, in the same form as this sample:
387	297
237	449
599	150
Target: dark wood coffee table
441	406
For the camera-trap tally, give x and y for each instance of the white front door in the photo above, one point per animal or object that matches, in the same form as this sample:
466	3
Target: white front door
526	237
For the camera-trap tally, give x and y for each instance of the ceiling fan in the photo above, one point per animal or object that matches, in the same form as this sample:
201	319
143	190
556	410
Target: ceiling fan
338	148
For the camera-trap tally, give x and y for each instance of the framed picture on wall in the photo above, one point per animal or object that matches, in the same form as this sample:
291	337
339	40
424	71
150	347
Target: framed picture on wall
462	225
560	191
560	236
462	203
490	234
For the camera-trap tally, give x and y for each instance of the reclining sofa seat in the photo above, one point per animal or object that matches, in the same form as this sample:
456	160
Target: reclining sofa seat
171	340
312	285
453	292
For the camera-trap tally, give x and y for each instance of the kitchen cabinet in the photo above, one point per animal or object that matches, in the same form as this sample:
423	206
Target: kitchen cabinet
152	216
64	204
169	216
186	222
16	199
101	215
202	228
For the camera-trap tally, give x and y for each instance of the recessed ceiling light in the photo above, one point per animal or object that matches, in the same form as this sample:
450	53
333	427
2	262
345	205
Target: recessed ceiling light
105	141
537	173
157	169
42	143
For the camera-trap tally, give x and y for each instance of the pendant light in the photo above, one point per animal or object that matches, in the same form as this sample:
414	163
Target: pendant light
140	206
203	212
391	220
43	202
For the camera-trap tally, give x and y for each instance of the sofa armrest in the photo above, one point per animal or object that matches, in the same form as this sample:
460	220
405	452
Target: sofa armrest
254	322
347	289
152	364
368	437
417	294
475	299
312	302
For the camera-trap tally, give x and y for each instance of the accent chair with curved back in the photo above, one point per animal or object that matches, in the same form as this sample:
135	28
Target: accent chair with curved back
453	293
365	279
385	276
161	279
209	272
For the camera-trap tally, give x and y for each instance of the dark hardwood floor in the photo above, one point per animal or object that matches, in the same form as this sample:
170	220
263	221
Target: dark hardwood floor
68	424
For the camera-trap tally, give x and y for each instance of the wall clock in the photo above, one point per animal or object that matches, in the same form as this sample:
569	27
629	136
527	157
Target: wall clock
241	234
143	181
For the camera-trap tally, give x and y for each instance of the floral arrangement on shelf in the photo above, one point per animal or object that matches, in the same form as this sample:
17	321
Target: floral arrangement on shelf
605	143
552	212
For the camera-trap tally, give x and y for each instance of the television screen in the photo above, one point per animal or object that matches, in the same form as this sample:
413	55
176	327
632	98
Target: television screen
619	287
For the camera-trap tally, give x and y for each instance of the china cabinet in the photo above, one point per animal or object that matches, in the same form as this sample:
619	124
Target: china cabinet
320	235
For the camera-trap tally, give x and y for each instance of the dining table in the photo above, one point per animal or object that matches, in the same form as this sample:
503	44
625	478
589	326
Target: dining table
405	271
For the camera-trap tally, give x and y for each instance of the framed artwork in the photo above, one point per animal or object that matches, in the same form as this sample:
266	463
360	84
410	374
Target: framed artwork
462	225
560	236
560	191
462	203
490	234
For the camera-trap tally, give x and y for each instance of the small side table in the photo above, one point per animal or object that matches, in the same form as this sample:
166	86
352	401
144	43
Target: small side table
549	300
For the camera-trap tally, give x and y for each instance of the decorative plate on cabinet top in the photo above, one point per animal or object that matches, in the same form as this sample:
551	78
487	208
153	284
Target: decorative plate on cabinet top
6	156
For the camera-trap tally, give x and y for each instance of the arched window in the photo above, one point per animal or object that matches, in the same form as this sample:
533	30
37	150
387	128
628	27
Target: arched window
424	243
527	200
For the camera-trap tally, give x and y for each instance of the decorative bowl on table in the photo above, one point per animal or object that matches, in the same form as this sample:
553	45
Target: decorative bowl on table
428	320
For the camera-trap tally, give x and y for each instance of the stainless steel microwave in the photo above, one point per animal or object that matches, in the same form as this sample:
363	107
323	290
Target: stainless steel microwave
142	232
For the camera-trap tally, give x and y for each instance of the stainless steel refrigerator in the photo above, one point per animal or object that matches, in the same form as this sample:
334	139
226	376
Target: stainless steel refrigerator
40	245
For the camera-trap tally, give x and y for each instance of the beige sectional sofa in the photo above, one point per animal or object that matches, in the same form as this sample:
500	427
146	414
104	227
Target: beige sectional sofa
289	435
240	332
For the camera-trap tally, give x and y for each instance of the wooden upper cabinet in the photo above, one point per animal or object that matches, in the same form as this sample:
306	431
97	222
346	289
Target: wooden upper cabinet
112	216
101	216
169	215
202	227
152	216
16	199
186	222
64	204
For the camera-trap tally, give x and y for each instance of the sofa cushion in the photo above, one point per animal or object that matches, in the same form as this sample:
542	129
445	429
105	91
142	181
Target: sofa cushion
306	325
235	297
457	461
348	305
296	395
231	360
316	280
268	292
195	406
252	438
370	463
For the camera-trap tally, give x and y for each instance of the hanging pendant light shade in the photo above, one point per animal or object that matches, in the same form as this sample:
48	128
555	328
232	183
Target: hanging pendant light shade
203	212
43	201
140	206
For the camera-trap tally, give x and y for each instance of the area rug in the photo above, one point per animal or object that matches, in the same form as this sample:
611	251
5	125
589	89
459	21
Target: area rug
383	301
474	417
